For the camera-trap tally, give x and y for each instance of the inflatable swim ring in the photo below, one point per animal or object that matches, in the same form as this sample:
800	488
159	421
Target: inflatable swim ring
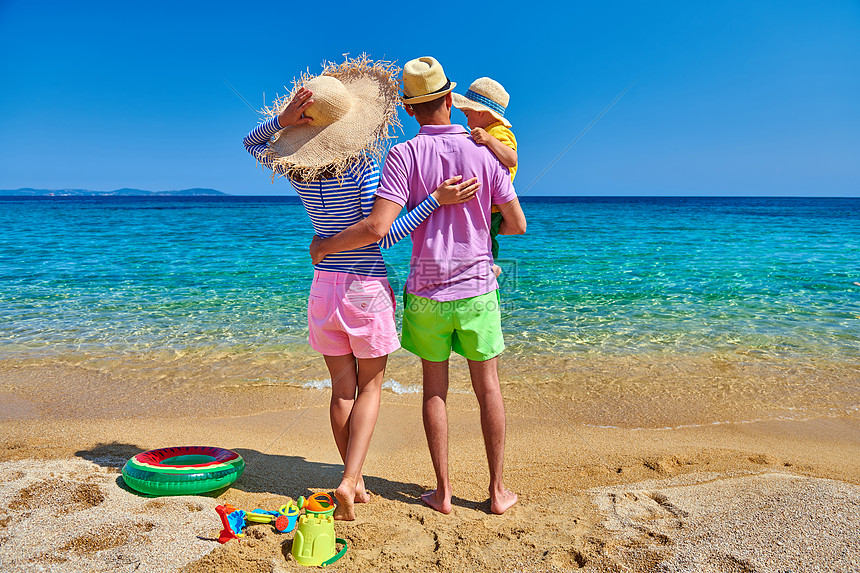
184	470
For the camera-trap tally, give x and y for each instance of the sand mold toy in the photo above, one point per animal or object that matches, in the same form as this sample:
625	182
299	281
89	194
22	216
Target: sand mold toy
314	543
284	518
235	520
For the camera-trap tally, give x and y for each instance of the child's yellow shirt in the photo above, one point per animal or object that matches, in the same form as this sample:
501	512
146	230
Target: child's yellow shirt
506	136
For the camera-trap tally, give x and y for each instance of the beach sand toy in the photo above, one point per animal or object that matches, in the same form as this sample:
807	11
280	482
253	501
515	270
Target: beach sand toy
314	543
234	520
287	521
318	504
284	519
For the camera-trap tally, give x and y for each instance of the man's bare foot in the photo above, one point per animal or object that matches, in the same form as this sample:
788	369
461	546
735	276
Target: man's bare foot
345	510
502	501
438	502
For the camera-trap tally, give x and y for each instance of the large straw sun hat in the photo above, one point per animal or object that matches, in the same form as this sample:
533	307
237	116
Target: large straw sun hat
485	94
355	104
424	80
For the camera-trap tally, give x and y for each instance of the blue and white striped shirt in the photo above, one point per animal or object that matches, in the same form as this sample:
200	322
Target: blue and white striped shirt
333	205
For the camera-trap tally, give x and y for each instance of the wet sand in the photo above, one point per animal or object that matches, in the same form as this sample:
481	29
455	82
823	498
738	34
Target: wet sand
666	486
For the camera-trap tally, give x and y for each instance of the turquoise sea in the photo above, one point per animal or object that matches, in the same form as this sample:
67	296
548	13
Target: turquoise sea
218	285
593	275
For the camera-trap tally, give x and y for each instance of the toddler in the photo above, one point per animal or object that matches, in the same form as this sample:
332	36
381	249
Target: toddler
484	106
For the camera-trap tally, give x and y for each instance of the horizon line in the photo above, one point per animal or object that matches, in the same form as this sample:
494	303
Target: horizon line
44	194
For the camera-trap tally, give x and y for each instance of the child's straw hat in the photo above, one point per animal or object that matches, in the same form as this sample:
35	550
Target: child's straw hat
424	80
485	94
355	104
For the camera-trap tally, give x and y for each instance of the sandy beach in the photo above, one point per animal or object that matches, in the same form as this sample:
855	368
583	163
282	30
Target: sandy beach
755	496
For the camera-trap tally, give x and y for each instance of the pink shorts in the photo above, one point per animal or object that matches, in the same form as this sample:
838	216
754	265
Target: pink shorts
351	314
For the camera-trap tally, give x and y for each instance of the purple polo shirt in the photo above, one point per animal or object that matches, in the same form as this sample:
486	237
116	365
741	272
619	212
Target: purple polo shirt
451	257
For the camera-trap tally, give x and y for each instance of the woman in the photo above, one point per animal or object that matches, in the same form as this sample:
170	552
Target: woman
327	138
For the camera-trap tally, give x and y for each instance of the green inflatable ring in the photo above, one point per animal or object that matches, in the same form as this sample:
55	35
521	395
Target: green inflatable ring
184	470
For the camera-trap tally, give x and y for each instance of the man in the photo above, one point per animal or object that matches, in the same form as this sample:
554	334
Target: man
452	302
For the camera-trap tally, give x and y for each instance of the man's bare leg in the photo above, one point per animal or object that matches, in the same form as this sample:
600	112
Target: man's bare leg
485	382
435	413
353	420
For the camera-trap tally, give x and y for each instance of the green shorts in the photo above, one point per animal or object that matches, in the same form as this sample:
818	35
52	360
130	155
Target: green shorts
471	327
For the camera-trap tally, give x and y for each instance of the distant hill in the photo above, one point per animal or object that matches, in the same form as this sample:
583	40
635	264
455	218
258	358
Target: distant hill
28	192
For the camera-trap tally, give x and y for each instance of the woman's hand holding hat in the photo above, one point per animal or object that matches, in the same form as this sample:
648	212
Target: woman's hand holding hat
337	119
293	113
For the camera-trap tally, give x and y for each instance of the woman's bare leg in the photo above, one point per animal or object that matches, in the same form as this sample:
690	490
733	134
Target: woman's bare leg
342	370
353	418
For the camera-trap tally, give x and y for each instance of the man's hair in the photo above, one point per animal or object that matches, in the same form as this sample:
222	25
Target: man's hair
428	108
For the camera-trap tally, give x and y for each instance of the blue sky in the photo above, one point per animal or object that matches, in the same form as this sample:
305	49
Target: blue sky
728	98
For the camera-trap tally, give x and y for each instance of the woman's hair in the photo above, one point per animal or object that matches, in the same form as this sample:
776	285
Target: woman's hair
328	173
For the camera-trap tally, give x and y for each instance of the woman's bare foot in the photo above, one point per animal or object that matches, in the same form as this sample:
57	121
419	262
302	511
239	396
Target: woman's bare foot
345	510
439	502
502	501
361	494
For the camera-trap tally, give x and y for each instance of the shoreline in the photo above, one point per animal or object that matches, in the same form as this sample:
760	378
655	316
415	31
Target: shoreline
629	391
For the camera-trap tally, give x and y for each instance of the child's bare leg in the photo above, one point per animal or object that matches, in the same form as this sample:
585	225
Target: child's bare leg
361	424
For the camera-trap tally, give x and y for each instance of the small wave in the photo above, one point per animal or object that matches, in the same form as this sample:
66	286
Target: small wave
399	388
390	384
317	384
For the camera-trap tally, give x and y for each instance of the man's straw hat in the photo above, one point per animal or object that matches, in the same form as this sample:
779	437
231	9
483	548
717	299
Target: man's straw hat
355	104
485	94
424	80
